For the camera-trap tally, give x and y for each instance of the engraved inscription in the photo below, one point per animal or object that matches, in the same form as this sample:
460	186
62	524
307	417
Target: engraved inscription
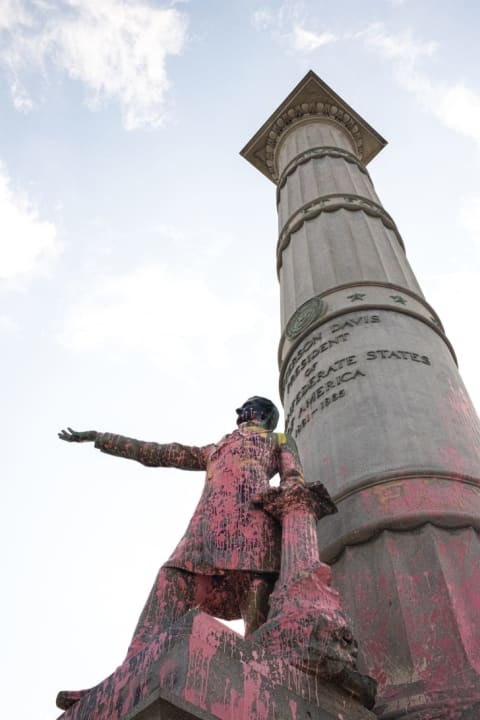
398	355
306	362
322	386
315	390
355	322
318	344
324	404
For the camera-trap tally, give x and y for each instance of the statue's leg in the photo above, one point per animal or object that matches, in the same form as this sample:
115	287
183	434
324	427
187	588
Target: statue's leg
173	594
254	600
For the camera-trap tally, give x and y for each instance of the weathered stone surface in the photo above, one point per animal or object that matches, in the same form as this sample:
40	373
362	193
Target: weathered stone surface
416	613
374	400
163	710
202	669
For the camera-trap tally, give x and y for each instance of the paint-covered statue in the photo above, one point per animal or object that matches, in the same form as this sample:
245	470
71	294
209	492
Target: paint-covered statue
229	558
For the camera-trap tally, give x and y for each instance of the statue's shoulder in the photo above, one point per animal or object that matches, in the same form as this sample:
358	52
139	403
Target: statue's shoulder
285	439
215	447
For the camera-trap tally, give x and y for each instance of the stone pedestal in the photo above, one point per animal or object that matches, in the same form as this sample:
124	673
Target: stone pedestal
202	669
373	397
306	626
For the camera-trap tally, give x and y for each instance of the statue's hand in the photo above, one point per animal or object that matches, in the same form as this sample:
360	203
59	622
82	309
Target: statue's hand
71	435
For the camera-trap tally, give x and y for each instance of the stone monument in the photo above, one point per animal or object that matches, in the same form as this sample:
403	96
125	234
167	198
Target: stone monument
375	402
299	655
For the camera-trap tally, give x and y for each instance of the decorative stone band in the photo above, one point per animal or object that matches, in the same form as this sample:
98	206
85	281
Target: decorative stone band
367	296
437	704
330	203
309	111
399	501
318	153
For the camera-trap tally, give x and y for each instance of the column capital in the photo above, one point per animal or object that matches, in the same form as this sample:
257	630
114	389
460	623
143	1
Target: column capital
312	99
313	498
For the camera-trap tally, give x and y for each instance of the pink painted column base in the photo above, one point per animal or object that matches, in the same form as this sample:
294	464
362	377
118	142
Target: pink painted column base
306	626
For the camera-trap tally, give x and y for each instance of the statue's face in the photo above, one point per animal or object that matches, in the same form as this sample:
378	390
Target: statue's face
261	410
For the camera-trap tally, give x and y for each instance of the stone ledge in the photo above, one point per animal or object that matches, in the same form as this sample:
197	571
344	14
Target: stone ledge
204	670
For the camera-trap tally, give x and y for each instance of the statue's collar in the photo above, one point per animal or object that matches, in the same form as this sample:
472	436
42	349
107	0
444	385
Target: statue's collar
251	427
245	429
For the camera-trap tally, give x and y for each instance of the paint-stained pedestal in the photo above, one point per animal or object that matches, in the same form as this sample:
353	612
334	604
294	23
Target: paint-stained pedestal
202	669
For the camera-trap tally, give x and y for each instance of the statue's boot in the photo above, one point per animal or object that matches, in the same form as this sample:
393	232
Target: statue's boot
67	698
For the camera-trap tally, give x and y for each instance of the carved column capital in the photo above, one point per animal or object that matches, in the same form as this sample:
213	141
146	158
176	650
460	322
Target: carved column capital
312	100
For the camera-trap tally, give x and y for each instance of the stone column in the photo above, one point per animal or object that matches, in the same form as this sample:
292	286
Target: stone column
373	397
306	626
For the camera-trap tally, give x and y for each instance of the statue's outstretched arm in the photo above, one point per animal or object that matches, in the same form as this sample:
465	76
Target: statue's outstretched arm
154	454
185	457
71	435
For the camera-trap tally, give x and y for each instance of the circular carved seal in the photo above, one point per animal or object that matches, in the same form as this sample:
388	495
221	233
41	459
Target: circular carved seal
304	316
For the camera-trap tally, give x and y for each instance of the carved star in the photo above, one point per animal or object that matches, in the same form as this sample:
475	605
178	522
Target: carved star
355	296
398	299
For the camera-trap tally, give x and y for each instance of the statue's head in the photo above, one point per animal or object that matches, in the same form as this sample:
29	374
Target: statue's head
260	410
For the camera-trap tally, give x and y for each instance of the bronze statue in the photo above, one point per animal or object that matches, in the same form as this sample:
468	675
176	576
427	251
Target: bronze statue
229	557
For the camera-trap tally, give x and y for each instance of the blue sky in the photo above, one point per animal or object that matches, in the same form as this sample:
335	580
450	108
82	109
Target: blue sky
137	266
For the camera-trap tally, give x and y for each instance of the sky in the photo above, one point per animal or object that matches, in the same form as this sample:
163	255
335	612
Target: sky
137	267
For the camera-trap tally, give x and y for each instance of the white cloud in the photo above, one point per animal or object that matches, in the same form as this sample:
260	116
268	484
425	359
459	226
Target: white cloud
7	324
455	105
25	241
459	108
459	326
13	12
20	97
287	24
262	19
161	314
402	46
306	41
116	48
470	216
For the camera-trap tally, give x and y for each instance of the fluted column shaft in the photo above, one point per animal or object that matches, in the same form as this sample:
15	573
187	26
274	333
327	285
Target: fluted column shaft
373	397
368	377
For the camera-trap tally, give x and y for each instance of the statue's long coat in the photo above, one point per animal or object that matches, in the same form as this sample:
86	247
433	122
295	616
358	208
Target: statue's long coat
225	532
